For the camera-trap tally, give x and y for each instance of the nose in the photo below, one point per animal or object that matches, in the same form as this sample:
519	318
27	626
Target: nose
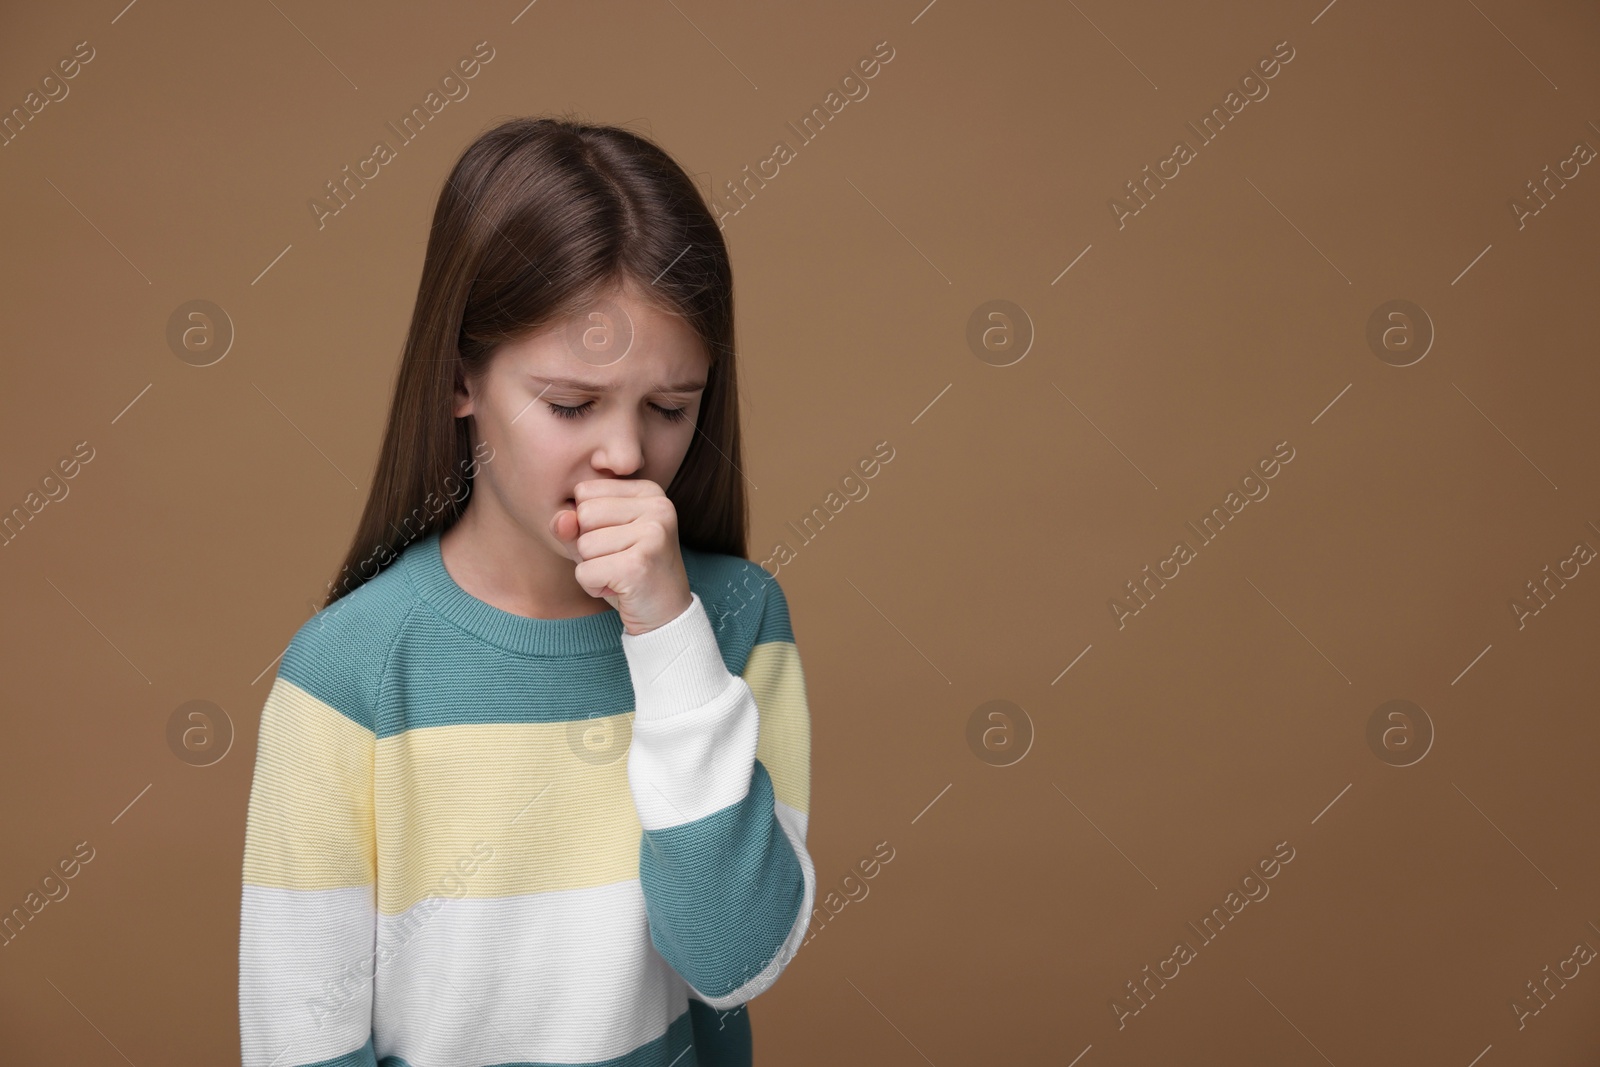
620	451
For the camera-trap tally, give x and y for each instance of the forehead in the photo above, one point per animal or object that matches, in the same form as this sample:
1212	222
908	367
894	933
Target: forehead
616	341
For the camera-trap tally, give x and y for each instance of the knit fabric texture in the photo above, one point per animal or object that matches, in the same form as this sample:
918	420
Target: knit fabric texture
478	839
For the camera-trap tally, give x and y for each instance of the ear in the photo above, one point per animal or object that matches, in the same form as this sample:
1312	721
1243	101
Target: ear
463	402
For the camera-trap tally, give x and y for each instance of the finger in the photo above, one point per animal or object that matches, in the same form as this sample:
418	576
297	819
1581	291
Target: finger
559	525
593	488
596	576
601	511
592	544
566	530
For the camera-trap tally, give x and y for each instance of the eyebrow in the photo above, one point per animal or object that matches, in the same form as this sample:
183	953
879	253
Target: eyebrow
597	387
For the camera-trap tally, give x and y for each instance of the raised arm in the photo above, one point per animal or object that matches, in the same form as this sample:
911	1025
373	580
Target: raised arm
719	767
308	917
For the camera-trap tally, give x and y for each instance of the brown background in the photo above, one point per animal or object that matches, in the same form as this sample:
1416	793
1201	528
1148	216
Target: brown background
1229	315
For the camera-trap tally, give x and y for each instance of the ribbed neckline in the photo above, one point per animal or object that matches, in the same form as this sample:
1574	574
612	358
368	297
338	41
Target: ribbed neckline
505	629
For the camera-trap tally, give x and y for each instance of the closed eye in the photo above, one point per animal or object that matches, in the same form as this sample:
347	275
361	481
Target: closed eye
670	414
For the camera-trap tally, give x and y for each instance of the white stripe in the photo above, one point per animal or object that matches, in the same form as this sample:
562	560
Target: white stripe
685	767
562	977
305	967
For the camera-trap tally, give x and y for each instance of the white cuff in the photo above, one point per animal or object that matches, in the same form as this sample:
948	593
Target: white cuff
676	667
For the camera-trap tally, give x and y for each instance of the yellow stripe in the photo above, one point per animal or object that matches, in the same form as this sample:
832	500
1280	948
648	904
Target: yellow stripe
310	821
778	683
481	810
447	795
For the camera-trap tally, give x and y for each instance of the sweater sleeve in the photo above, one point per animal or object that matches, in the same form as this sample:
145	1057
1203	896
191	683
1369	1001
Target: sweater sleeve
307	928
719	768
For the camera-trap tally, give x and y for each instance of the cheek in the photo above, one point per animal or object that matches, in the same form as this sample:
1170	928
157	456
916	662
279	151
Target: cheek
541	447
524	448
675	447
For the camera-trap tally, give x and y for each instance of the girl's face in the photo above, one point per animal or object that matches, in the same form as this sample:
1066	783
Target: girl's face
612	393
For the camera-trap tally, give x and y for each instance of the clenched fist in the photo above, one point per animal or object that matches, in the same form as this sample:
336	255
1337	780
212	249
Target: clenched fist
623	535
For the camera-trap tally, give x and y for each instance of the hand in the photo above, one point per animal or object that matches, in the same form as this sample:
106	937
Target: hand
624	538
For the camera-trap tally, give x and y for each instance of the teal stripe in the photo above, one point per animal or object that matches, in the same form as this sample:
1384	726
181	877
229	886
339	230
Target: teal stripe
440	676
722	892
338	655
775	624
361	1057
741	597
408	649
721	1038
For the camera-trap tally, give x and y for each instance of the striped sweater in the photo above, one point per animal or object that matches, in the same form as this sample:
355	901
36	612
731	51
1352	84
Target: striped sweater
476	838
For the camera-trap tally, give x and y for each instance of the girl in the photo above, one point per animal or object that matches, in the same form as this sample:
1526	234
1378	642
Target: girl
533	786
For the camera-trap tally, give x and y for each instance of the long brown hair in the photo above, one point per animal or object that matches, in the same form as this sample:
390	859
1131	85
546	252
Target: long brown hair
539	218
